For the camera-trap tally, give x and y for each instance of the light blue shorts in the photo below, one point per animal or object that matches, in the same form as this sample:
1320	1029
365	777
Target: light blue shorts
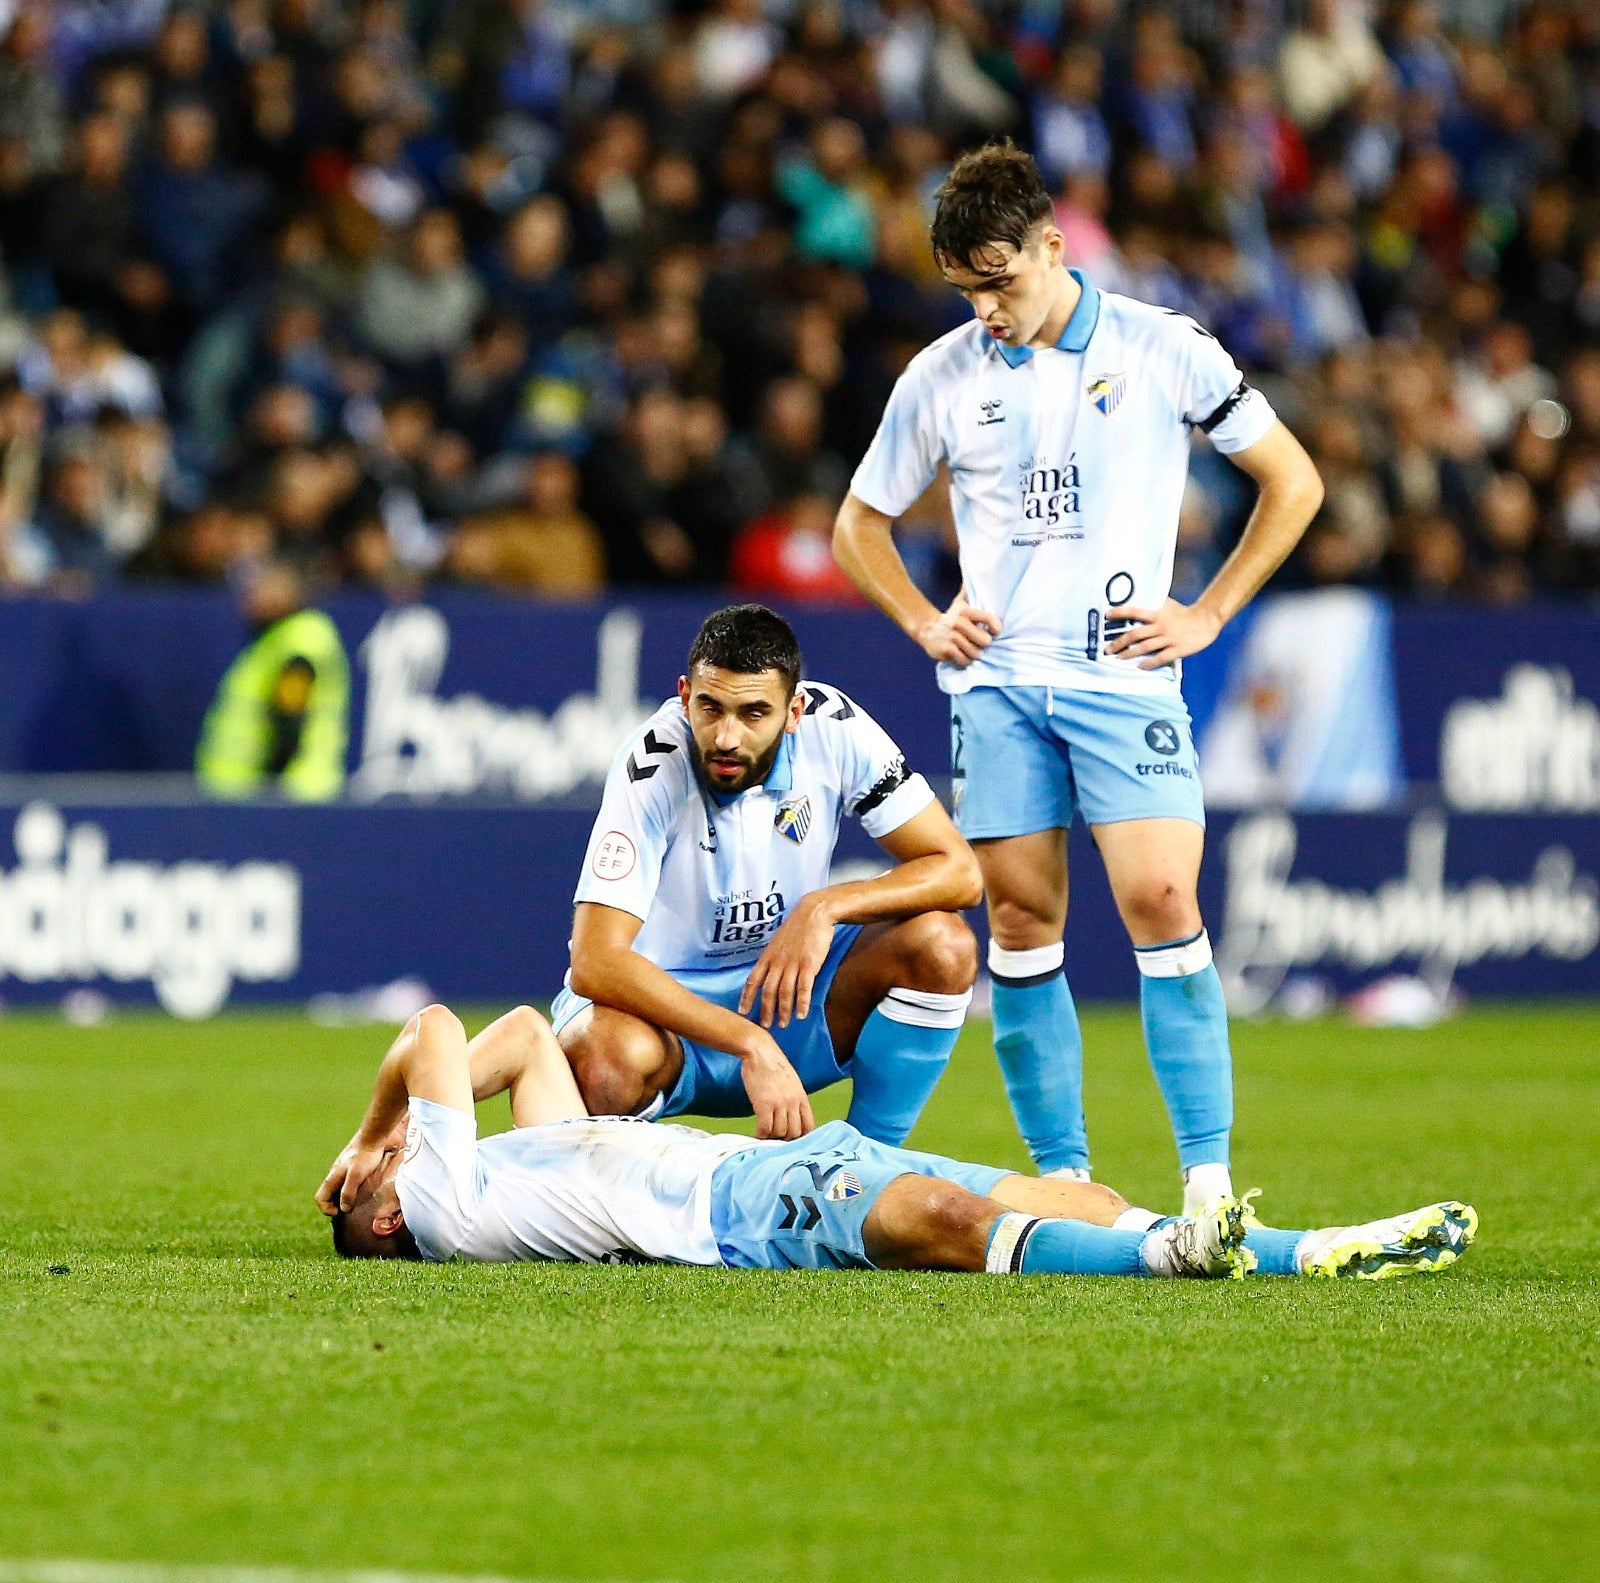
712	1082
803	1205
1029	758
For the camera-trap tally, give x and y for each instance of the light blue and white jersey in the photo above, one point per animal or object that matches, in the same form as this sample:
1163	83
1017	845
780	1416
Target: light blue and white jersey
1067	470
714	877
594	1190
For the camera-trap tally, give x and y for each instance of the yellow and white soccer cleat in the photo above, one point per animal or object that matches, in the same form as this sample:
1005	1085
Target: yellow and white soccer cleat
1418	1243
1209	1245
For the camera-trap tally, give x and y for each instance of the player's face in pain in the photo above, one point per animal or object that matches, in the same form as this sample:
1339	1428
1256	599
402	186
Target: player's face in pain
738	722
1011	291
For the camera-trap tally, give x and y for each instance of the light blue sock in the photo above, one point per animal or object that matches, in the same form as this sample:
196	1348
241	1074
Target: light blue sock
901	1054
1274	1250
1186	1032
1040	1049
1022	1245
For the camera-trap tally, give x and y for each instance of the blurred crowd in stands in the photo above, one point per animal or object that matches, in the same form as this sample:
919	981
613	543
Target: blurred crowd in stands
554	294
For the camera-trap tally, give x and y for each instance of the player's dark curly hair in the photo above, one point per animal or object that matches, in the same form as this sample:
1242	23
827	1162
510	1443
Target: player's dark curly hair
748	639
993	194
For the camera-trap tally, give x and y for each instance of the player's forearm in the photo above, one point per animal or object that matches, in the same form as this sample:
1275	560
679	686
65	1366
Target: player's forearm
1290	496
939	882
863	545
630	982
389	1095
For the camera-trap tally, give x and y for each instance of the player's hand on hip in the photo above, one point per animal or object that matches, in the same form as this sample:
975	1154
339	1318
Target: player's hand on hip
786	972
960	634
777	1095
1158	637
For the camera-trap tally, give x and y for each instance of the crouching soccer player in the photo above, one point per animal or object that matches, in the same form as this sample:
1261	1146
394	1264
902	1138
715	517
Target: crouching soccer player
705	898
415	1182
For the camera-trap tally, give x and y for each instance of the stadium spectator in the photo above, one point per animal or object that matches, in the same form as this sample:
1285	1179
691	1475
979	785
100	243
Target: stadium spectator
23	558
192	212
539	542
787	553
529	280
89	233
74	521
417	308
1327	60
32	112
686	246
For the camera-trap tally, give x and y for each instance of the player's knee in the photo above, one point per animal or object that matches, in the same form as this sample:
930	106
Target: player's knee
948	1221
435	1020
618	1064
524	1022
1160	910
942	954
1020	926
921	1221
610	1086
1108	1200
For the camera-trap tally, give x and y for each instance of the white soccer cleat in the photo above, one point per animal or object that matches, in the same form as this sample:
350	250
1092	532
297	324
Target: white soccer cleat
1207	1246
1418	1243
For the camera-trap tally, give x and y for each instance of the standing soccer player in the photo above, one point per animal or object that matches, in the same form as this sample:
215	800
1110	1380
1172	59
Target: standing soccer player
1064	415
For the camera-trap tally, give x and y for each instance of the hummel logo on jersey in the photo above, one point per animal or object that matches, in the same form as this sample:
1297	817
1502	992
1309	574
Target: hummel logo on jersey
1106	391
991	413
653	747
793	819
828	695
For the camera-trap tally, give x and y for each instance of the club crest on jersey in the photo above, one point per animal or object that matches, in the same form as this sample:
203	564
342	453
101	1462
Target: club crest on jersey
845	1185
1106	391
793	819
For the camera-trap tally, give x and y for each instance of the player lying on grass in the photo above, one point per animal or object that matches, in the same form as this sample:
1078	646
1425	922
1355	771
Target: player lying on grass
415	1182
714	967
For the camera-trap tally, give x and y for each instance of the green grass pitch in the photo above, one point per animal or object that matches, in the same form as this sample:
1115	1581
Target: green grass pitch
188	1376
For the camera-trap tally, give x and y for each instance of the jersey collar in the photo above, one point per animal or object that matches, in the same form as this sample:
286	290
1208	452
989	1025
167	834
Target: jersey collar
781	780
1075	338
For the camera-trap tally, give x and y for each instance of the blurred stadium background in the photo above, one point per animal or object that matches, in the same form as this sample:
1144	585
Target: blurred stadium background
517	334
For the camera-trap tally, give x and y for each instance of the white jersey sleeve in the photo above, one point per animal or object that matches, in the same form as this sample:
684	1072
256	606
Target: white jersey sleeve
622	867
440	1180
1213	396
906	451
877	786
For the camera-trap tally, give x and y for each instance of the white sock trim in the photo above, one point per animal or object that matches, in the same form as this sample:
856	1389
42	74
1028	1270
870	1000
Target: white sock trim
1067	1173
1177	960
1202	1183
922	1008
1026	964
1006	1244
1132	1219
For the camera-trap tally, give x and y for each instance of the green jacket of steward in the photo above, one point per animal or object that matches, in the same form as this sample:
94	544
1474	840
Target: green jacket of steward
281	716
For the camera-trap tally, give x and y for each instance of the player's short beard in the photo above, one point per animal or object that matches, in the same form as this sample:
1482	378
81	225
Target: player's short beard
754	776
